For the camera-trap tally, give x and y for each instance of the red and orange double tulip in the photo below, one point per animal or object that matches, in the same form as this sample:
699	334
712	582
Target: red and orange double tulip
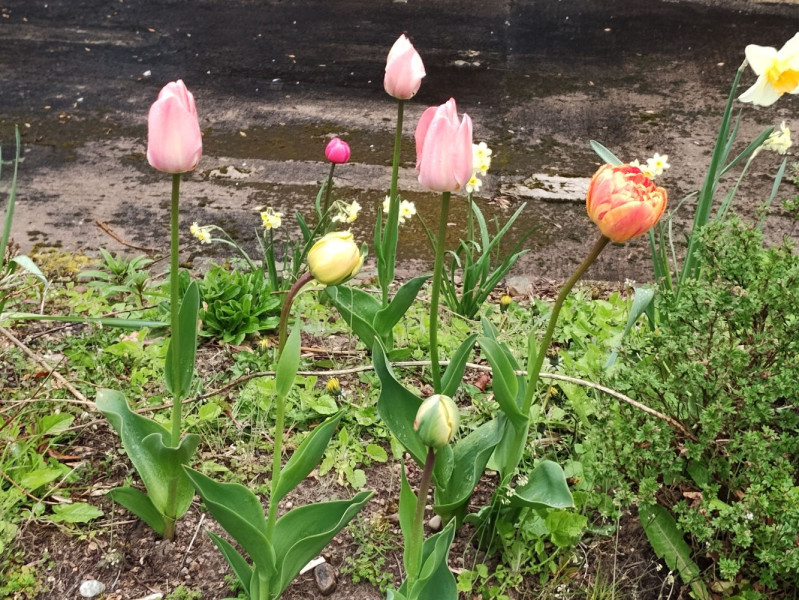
444	148
623	202
174	141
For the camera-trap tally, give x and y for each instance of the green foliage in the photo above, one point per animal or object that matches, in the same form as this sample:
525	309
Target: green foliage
374	541
237	303
724	363
184	593
119	276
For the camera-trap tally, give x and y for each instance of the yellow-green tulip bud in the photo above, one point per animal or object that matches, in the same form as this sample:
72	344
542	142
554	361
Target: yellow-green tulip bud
333	387
505	302
437	421
335	258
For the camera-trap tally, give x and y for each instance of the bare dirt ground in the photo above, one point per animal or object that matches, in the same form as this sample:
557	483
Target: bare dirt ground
275	79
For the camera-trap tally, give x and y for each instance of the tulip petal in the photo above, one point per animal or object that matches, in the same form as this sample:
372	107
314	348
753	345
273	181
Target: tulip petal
421	131
462	154
174	140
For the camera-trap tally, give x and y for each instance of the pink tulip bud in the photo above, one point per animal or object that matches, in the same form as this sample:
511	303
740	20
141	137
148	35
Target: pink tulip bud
444	148
337	151
624	202
174	141
404	70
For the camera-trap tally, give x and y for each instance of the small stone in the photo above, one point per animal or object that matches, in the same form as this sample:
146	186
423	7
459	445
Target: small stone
434	523
91	588
325	577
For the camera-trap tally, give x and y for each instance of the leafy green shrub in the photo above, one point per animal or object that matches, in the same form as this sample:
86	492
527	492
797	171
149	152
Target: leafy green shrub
237	303
724	362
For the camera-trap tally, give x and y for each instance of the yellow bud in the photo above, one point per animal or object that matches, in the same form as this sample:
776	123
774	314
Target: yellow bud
505	302
437	421
335	258
333	387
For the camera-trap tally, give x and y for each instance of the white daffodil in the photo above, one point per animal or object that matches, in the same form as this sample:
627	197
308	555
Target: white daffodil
407	210
777	72
348	212
202	233
778	141
481	158
271	219
473	185
657	164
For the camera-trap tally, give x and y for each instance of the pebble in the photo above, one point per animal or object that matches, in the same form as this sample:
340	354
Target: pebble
434	523
91	588
325	577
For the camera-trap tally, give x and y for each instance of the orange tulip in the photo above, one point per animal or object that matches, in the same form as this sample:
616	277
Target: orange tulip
624	202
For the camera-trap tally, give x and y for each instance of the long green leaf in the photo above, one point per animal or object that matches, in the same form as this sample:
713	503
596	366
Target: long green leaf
289	363
358	310
453	374
140	505
667	541
185	344
435	579
546	488
109	322
385	318
505	382
238	564
605	154
407	511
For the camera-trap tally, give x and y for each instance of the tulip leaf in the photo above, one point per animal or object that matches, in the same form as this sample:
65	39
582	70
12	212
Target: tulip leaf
510	448
546	487
453	374
397	406
642	299
288	363
407	511
303	532
169	462
358	309
306	457
605	154
385	318
435	579
184	342
505	382
237	562
140	505
443	466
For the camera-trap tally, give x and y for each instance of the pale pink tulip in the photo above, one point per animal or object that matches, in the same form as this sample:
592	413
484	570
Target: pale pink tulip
404	70
444	148
174	141
624	202
337	151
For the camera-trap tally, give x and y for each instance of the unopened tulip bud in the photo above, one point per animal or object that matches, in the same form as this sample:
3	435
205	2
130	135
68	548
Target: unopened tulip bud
174	141
335	258
333	387
404	70
444	148
504	303
437	421
624	202
337	151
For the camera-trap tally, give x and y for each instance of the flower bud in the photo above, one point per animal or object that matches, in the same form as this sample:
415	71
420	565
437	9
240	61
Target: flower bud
335	258
333	387
437	421
504	303
444	148
624	202
337	151
404	70
174	140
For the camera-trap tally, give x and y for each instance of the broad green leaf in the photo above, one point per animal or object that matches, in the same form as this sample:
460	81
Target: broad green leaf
209	412
324	404
140	505
239	513
303	532
605	154
392	594
546	487
504	382
397	406
453	374
435	579
358	309
385	318
407	511
79	512
39	477
54	423
168	462
443	465
510	448
178	380
237	562
289	363
376	453
667	541
566	528
306	457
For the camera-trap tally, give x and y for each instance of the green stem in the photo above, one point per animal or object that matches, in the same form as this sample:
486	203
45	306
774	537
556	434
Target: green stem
538	360
417	533
174	301
438	270
280	405
328	192
271	265
12	196
392	222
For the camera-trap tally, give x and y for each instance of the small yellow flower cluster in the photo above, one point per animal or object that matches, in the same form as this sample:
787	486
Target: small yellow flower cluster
347	212
778	141
201	232
407	209
271	219
654	166
481	162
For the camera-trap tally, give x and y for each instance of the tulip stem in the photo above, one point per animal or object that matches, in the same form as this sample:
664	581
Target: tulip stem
391	234
174	302
328	192
538	359
284	313
438	270
417	533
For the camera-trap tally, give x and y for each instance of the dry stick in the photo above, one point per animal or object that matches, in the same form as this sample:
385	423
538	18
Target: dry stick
191	543
105	227
56	375
426	363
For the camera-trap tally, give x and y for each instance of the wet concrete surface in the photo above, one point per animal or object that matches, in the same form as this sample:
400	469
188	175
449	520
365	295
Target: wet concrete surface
275	79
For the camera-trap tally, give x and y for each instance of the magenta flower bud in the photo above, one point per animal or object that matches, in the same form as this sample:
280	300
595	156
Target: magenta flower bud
337	151
444	148
174	141
404	70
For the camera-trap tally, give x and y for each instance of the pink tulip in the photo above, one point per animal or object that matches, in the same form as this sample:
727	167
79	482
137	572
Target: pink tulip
404	70
624	202
337	151
174	141
444	148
